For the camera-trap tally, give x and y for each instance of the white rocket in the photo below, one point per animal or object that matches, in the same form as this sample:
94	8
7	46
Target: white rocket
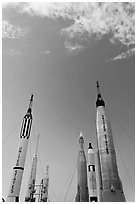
110	184
44	186
82	186
31	186
92	186
18	169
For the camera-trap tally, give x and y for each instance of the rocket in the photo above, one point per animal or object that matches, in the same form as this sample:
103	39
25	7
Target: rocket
82	187
92	186
110	183
44	186
18	169
31	186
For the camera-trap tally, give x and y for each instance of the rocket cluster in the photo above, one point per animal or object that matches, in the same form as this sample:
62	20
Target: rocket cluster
109	187
109	184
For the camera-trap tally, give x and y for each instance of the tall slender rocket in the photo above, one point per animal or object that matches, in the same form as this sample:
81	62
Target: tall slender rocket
31	186
110	184
18	169
82	186
92	186
44	186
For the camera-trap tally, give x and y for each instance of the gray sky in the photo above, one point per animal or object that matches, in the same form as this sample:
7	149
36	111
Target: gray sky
58	52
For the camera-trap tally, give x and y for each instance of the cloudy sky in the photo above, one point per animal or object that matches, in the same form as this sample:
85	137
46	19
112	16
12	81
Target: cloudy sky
57	51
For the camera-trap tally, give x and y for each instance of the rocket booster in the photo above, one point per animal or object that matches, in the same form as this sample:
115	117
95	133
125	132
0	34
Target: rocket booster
82	187
18	169
44	187
31	186
110	182
92	186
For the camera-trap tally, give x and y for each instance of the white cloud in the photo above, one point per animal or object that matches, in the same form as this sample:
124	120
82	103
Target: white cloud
12	52
45	52
12	31
73	48
123	55
90	19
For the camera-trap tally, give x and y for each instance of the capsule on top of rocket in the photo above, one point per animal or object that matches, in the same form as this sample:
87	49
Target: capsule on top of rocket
30	104
90	148
90	155
82	187
92	187
109	177
18	169
81	141
100	101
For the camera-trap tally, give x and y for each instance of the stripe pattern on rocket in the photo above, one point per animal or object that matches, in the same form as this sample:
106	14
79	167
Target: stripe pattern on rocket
14	190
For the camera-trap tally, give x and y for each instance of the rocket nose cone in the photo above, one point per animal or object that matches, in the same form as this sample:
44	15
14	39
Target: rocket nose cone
81	141
81	135
90	146
90	149
31	97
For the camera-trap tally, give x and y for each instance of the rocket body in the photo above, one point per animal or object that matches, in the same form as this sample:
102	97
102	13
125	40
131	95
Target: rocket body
92	186
110	184
18	169
82	187
44	187
31	186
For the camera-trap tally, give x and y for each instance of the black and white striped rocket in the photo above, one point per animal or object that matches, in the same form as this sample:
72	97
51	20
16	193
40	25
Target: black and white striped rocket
110	185
31	185
92	184
18	169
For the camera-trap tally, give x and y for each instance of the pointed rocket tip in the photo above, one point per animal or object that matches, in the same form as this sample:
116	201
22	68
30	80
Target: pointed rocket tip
47	168
31	97
99	101
97	84
81	135
30	105
112	188
81	141
90	146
